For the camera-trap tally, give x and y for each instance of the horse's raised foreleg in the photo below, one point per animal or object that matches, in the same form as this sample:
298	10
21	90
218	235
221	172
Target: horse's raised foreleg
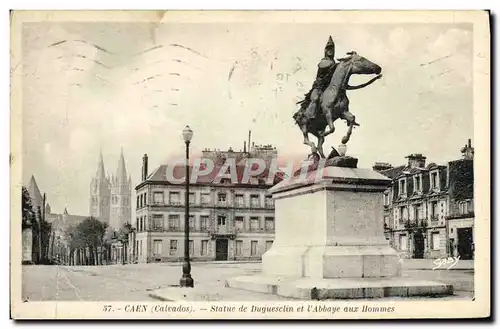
351	122
306	138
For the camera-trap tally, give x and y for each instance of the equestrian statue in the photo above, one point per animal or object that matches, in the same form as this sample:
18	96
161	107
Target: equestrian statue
327	100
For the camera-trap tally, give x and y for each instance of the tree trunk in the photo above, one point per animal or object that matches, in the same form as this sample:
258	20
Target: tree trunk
96	256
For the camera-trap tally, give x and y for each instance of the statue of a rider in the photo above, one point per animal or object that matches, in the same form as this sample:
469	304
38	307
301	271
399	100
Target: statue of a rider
326	68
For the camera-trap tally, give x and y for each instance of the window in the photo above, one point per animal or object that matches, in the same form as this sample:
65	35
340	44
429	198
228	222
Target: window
173	247
434	180
403	242
158	222
417	215
144	225
221	197
465	207
205	198
157	247
158	198
269	222
191	247
173	222
253	248
403	214
269	244
254	200
221	220
434	210
402	186
239	223
137	205
239	200
204	223
137	224
239	247
435	241
191	222
174	198
204	247
145	199
192	198
417	183
386	222
386	199
254	224
269	201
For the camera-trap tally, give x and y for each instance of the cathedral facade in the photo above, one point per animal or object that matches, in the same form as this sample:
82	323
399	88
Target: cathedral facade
110	195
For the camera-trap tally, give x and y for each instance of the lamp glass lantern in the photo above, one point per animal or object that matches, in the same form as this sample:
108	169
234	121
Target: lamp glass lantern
187	134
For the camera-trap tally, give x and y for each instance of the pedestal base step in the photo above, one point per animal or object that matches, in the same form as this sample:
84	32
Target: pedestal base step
319	289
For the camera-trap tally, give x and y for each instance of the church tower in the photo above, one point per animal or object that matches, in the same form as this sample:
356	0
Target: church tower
100	193
121	193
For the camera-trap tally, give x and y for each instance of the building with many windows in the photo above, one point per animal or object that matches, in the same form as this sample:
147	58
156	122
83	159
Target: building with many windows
428	210
228	220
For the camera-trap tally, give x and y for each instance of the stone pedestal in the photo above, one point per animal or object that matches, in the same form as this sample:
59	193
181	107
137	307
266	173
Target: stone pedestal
330	242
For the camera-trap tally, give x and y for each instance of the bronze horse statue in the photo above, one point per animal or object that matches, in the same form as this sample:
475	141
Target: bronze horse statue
334	103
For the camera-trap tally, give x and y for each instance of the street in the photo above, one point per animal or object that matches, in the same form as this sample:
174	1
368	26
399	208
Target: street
134	282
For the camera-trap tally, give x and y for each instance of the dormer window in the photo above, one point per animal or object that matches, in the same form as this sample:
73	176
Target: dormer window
386	198
402	186
417	184
434	180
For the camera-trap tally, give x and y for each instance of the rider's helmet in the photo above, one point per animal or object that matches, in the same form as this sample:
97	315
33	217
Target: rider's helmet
330	45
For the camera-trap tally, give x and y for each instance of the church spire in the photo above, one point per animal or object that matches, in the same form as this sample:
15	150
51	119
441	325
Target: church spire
34	191
101	174
121	172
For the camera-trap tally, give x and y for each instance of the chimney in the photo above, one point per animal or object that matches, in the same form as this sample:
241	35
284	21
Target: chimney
249	135
144	167
468	151
244	146
416	160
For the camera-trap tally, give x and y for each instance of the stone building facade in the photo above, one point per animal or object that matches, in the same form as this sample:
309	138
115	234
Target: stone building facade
110	197
228	220
428	206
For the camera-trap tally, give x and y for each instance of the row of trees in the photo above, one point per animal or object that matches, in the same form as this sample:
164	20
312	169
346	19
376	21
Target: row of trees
33	220
90	242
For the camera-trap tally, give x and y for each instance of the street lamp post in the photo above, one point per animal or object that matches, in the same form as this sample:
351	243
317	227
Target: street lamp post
186	279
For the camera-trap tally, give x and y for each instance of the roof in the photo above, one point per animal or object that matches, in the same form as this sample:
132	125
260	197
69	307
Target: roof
34	191
396	172
393	172
59	221
213	177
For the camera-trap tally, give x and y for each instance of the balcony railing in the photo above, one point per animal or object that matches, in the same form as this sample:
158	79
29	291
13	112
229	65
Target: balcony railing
222	230
464	215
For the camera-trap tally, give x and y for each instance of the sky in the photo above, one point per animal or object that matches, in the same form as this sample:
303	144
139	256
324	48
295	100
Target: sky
98	86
